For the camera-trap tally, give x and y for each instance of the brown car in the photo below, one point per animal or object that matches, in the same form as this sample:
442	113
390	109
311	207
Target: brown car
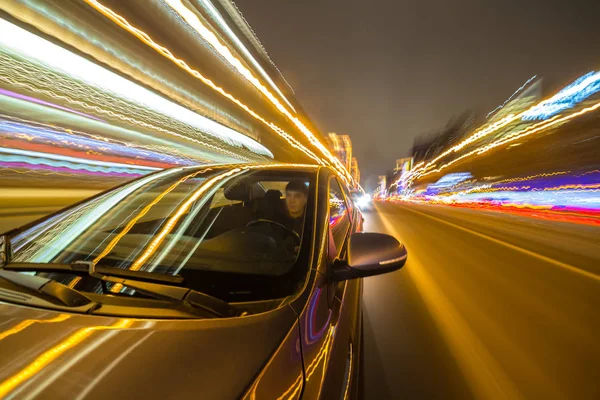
194	282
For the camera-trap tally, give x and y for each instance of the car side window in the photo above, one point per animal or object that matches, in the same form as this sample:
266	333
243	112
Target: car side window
348	200
339	218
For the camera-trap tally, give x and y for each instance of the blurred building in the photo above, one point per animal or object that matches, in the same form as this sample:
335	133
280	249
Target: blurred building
403	167
382	187
526	96
342	148
429	146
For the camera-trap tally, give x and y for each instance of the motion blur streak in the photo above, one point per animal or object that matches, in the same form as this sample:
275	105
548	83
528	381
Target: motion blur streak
63	62
177	215
47	357
511	96
27	323
224	51
141	214
546	110
483	373
211	38
545	169
575	93
85	217
144	37
84	93
98	378
167	53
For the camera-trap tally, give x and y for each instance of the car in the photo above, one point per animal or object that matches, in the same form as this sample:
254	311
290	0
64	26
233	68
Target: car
183	283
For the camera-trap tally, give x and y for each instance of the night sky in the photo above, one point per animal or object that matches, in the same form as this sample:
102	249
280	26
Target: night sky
385	71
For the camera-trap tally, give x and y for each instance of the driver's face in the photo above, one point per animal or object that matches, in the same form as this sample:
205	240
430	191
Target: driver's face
295	202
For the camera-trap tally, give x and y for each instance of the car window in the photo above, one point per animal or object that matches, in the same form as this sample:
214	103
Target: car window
349	201
207	225
339	219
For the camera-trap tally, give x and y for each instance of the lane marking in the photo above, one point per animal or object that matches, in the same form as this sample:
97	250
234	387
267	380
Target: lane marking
512	246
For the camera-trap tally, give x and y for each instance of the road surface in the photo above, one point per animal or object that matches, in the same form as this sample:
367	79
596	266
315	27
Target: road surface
488	306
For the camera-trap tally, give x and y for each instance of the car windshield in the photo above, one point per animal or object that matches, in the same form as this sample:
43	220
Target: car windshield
229	232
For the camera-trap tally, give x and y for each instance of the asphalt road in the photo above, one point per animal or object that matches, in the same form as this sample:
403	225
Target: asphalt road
488	306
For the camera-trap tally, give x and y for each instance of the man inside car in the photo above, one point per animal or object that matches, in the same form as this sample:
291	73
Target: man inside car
296	194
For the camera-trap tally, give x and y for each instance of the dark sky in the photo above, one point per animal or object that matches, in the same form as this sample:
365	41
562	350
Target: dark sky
385	71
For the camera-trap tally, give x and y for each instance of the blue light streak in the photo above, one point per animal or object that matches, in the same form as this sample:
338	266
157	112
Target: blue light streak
570	96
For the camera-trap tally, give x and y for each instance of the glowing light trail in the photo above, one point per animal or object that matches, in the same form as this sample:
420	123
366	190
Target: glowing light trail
31	47
119	20
511	96
217	16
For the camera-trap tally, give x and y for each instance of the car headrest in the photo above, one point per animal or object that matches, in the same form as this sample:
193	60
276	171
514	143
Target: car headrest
240	191
273	194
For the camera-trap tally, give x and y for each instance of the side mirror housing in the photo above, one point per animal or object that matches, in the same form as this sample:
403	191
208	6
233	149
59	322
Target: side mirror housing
370	254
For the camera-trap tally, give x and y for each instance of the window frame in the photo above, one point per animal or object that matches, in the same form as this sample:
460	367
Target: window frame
341	251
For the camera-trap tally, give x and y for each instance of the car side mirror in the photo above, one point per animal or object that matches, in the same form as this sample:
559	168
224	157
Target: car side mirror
370	254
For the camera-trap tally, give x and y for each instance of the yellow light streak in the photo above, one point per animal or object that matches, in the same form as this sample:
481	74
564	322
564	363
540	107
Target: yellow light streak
28	322
421	169
178	214
530	130
159	238
481	133
526	178
321	355
347	392
52	354
194	22
144	211
144	37
294	389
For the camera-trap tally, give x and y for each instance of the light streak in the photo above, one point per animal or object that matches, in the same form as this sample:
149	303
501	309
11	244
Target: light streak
26	137
322	354
28	322
568	97
217	16
97	132
52	354
55	58
64	160
172	222
143	212
530	177
530	130
511	96
159	238
291	392
119	20
255	41
348	384
44	103
69	229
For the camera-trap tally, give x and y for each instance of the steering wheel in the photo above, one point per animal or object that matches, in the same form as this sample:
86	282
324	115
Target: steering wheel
292	232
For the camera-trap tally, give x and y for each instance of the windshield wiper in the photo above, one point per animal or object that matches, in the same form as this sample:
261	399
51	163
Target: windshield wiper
185	296
155	285
82	268
57	291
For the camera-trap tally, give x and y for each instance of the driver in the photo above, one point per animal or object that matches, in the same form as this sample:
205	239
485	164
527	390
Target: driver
296	195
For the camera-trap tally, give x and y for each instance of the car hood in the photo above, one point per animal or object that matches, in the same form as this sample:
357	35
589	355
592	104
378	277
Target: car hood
49	354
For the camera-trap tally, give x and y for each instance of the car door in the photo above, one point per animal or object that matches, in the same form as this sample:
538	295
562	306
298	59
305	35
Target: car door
327	326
